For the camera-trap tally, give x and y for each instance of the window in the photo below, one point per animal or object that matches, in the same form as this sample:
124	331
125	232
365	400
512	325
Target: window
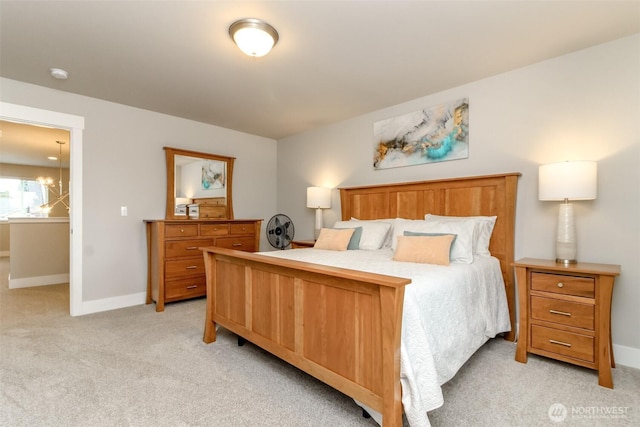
22	197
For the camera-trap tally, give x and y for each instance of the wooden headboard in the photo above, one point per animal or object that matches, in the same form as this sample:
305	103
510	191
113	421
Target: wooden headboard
480	195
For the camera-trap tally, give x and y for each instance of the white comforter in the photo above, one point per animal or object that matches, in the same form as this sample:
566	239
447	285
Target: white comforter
449	312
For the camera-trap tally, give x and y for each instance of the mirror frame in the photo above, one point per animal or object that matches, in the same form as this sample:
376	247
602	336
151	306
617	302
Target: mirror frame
171	153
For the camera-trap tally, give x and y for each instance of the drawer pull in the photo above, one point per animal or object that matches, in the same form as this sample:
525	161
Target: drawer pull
182	230
560	284
566	344
562	313
237	244
192	248
192	287
191	267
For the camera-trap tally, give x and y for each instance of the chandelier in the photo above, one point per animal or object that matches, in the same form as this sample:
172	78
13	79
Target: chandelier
59	195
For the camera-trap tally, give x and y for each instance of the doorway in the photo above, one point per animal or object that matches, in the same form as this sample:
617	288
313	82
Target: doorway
75	125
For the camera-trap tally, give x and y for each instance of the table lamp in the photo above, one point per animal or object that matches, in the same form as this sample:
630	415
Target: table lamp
570	180
318	198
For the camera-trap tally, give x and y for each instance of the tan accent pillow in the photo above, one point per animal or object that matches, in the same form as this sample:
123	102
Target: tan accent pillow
424	249
334	239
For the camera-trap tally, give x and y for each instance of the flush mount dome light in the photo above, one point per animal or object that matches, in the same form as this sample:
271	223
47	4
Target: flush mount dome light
253	36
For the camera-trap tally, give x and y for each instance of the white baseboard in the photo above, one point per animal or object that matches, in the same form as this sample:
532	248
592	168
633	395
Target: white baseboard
627	356
28	282
114	303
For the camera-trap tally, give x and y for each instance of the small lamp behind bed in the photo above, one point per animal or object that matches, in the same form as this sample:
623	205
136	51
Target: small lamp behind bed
318	198
567	181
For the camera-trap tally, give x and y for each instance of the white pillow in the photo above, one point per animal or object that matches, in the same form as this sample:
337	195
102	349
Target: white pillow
482	232
387	240
374	233
400	225
462	248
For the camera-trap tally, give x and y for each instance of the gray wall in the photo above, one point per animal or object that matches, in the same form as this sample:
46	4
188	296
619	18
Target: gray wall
582	106
124	165
39	250
4	239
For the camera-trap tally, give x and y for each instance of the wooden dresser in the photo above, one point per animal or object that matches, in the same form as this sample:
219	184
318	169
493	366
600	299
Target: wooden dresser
175	263
565	313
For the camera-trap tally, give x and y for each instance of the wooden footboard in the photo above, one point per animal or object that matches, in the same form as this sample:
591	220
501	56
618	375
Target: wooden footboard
340	326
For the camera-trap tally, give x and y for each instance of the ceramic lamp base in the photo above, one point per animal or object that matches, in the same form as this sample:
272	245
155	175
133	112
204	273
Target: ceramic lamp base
318	225
566	244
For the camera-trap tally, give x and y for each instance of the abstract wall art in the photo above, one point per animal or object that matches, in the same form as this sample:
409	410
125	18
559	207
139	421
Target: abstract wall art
434	134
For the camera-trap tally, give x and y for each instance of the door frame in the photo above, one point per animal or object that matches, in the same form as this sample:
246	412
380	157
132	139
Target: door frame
75	126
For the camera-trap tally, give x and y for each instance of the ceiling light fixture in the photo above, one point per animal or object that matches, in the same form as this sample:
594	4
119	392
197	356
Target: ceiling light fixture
58	73
253	36
60	196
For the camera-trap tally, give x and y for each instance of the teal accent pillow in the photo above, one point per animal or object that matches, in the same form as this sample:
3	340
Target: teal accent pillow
354	243
415	233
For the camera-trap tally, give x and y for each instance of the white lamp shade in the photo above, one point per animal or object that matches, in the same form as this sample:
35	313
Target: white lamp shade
568	180
318	197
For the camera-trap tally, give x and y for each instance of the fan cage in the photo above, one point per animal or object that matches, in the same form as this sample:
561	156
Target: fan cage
280	231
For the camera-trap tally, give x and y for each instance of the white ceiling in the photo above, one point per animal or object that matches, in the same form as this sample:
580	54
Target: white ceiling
335	59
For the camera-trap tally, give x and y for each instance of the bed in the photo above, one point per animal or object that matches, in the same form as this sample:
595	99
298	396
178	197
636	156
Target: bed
344	326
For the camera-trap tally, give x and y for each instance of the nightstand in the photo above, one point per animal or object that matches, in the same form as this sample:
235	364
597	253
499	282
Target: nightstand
299	244
565	313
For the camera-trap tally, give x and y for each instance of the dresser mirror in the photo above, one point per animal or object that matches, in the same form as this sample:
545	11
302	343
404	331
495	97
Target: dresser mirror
198	185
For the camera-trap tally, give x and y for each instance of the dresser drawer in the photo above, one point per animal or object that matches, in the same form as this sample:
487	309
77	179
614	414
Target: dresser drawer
209	211
561	284
214	229
186	288
246	244
563	312
181	230
242	228
562	342
184	268
181	248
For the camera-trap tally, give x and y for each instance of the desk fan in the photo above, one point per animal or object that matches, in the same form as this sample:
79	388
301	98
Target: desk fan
280	231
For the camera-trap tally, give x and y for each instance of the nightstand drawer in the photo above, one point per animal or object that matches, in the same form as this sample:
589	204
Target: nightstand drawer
301	244
562	284
180	248
563	312
561	342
